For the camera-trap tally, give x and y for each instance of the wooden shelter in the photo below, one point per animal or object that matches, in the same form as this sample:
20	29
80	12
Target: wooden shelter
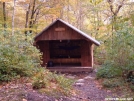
64	46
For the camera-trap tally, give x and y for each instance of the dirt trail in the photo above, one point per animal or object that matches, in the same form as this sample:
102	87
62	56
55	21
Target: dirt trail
89	90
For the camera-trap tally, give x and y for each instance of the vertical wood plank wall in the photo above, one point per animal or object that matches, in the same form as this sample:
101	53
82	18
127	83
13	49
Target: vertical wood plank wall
86	54
67	34
91	52
44	48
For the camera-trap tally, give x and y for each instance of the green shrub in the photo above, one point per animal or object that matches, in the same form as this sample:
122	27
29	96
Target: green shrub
130	77
113	82
65	85
108	71
120	48
18	57
40	80
132	87
53	83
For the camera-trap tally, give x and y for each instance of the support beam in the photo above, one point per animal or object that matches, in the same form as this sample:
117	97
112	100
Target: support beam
91	55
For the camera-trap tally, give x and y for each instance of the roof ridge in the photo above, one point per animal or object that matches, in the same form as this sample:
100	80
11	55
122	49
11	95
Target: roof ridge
74	28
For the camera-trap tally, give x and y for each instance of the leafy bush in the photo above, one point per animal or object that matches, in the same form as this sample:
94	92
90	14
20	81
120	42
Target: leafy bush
65	85
53	83
108	70
132	87
18	57
119	51
40	80
130	77
113	82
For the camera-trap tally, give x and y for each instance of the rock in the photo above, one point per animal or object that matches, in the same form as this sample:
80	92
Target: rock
24	99
14	87
71	77
89	77
95	70
79	84
28	84
108	91
80	81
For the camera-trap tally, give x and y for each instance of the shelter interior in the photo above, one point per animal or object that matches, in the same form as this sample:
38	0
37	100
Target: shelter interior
66	53
63	45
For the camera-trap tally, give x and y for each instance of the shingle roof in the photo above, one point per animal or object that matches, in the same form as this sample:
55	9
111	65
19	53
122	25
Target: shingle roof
74	28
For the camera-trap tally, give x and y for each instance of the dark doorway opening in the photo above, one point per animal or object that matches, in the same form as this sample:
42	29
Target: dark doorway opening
65	52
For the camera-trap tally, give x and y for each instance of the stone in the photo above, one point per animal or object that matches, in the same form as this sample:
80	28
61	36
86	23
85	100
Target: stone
28	84
95	70
71	77
79	84
80	80
24	99
89	77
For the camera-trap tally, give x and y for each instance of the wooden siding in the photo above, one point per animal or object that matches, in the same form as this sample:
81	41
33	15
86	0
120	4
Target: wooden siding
91	52
68	33
86	54
58	35
44	49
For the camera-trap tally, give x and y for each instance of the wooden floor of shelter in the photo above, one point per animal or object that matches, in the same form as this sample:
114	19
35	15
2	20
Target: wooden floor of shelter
70	69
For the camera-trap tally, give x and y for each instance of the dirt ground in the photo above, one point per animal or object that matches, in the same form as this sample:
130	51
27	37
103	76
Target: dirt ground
87	87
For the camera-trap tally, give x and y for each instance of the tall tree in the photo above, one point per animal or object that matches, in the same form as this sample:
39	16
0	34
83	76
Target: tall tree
115	7
35	10
4	16
13	16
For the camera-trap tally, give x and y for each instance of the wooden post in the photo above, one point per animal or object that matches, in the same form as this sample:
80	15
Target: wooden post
46	53
86	54
44	48
92	56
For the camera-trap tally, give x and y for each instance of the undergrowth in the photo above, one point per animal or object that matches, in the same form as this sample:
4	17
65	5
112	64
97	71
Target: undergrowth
52	83
19	58
119	62
113	82
108	70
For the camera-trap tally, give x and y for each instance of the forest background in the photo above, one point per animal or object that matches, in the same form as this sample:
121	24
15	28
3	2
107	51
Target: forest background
111	22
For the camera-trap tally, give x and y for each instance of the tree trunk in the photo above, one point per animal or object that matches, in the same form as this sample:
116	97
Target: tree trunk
4	16
27	19
32	16
13	15
68	11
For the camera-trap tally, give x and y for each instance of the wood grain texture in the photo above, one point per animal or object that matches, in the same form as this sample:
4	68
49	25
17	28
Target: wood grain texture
56	41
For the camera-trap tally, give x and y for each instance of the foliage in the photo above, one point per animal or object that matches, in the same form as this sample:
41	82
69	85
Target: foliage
120	47
109	22
119	55
132	87
53	83
111	83
39	80
108	70
18	57
130	77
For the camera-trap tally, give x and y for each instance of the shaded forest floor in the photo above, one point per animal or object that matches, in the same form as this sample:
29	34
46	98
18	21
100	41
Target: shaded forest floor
87	88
